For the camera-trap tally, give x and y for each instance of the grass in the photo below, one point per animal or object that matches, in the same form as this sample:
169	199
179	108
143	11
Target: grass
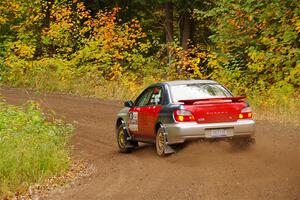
31	148
277	108
48	81
278	105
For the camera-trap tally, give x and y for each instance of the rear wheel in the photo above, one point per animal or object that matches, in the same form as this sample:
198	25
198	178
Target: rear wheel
160	142
122	136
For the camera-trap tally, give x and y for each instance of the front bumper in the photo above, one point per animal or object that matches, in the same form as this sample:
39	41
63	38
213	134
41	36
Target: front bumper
180	132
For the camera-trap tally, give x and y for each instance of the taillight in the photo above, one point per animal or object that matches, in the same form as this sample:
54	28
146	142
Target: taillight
246	113
183	116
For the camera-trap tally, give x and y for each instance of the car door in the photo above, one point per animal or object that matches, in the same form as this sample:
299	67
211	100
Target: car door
135	123
149	114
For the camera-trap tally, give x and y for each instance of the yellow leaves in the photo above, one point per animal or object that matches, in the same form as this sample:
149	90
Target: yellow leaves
256	67
294	75
61	13
116	71
9	11
250	18
258	60
109	49
119	56
23	50
84	30
186	63
257	55
214	63
296	22
3	20
297	26
82	12
100	47
69	25
144	47
269	41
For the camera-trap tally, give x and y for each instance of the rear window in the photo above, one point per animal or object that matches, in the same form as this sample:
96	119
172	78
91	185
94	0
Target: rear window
198	91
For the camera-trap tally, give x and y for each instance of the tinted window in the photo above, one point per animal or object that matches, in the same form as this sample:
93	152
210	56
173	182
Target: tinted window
156	96
144	98
198	91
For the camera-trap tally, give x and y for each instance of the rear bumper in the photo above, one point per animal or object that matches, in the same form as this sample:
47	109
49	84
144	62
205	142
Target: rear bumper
180	132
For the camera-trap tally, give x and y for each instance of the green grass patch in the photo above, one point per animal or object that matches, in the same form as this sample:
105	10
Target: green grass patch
32	148
277	107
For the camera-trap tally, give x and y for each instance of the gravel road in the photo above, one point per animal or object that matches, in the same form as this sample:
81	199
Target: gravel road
199	170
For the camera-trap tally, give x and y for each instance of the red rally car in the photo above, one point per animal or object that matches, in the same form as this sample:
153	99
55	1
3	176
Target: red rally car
172	112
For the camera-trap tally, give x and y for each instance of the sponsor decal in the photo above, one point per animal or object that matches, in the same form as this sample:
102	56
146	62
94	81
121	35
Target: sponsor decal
133	124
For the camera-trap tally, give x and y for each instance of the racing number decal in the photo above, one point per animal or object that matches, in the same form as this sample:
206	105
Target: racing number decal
133	125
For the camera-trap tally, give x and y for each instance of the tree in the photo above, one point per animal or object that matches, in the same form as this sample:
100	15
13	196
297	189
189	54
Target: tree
168	7
258	42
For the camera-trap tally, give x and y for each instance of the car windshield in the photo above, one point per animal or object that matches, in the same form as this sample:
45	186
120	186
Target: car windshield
198	91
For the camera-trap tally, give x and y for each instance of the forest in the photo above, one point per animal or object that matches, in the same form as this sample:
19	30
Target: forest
113	49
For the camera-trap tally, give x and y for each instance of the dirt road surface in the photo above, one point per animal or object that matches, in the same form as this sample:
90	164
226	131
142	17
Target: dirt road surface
198	170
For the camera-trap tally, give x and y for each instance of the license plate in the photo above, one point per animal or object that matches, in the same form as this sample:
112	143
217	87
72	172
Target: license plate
214	133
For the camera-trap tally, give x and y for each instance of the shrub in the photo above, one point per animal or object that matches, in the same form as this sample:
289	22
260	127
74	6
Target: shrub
31	148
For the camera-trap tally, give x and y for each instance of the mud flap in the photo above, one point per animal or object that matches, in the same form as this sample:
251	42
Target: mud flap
130	145
168	149
128	138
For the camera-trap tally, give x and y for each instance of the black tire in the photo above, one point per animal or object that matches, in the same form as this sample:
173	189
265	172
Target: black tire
122	136
160	142
242	142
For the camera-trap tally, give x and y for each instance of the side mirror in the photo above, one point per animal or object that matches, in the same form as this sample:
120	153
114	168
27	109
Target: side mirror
128	104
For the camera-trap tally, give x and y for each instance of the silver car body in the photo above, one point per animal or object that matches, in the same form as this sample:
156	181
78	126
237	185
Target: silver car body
179	132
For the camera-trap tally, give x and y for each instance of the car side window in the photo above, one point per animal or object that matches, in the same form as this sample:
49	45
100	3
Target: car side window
144	98
156	97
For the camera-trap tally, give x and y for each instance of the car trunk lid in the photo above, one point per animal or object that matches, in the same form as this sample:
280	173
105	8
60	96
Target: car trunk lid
215	110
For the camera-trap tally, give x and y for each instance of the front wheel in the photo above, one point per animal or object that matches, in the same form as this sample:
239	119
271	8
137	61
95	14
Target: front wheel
160	142
122	139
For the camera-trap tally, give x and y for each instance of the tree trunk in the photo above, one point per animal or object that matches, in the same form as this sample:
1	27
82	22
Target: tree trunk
47	9
45	24
169	21
185	29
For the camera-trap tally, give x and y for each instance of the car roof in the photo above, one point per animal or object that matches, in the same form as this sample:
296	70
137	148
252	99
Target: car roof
183	82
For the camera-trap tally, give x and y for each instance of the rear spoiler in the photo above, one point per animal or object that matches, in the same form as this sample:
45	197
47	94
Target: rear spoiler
211	100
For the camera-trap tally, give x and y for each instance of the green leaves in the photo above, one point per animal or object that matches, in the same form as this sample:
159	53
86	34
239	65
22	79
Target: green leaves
253	43
31	148
259	38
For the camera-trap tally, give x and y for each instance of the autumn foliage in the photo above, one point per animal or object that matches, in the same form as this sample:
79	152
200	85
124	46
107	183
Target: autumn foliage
251	46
